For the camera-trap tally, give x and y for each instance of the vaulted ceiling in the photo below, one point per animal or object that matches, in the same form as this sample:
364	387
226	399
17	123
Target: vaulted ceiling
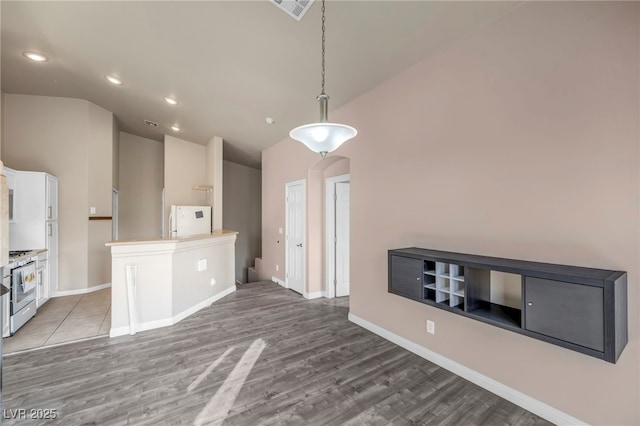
229	64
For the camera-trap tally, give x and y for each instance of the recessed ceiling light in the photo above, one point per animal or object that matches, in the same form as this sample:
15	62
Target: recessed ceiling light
170	101
114	80
175	128
269	120
36	57
151	123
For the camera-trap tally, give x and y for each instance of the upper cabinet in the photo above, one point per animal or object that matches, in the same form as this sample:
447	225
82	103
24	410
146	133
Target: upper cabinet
51	197
11	186
36	206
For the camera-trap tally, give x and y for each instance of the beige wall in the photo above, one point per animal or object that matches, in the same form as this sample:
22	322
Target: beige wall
100	167
185	165
99	256
340	167
1	121
242	213
100	143
57	136
520	141
141	182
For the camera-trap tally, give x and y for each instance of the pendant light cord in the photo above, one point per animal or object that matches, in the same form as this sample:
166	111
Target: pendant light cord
323	29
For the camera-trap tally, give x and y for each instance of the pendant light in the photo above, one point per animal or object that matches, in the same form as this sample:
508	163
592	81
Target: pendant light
323	137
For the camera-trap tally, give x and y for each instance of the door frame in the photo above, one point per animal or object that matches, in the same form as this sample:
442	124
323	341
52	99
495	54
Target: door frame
302	182
330	229
115	208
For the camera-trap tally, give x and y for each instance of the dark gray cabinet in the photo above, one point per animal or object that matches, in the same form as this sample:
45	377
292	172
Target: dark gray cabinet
570	312
583	309
406	276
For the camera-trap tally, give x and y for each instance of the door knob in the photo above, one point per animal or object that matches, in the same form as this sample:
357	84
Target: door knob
299	245
530	304
418	278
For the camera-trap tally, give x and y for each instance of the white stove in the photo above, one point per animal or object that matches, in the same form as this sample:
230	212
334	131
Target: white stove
20	277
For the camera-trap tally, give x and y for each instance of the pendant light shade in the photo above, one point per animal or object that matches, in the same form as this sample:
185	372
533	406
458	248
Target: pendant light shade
323	137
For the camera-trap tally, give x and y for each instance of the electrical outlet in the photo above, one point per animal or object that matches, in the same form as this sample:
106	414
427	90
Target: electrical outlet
202	265
280	231
213	282
431	327
277	268
92	210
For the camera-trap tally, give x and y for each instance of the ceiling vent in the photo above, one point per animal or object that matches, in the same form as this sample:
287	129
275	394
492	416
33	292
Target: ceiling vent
294	8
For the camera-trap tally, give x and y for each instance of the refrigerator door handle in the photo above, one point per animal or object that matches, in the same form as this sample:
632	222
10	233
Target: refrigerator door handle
50	229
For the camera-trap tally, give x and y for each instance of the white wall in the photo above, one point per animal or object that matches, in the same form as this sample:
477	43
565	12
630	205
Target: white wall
141	182
215	179
185	165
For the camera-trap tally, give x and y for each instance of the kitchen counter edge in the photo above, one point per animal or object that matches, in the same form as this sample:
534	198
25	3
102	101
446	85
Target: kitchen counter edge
214	234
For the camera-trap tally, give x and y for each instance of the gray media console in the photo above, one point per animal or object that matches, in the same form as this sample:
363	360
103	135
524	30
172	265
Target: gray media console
582	309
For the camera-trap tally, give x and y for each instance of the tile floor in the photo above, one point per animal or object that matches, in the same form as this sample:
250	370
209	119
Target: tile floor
64	319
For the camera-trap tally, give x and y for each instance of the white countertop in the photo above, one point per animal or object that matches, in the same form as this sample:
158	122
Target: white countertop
215	234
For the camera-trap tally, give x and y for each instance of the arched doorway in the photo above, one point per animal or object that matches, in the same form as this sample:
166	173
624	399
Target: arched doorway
321	254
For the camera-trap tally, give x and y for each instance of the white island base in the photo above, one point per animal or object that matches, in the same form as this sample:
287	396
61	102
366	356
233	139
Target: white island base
174	278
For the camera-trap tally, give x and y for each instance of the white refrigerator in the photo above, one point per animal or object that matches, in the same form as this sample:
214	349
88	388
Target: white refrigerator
189	220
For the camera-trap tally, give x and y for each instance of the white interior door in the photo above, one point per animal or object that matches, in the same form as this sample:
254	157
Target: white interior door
295	228
342	239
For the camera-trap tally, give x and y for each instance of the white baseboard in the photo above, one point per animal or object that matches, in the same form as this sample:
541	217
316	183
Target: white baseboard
279	281
314	295
166	322
528	403
61	293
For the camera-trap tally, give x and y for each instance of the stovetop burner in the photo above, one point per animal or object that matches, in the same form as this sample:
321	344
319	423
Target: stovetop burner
18	253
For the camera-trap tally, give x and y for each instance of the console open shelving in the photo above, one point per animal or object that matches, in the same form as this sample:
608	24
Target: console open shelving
583	309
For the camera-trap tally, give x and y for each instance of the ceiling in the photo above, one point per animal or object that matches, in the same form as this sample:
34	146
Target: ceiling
230	64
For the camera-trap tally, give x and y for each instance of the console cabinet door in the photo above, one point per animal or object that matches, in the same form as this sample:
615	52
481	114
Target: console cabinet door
406	276
570	312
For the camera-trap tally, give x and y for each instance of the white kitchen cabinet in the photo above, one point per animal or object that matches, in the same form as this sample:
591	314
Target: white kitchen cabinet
42	270
35	225
51	197
11	186
52	257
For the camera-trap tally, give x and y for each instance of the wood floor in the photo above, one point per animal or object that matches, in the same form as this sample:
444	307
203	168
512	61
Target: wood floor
316	368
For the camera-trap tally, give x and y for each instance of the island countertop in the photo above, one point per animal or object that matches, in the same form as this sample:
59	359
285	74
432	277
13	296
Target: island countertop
214	234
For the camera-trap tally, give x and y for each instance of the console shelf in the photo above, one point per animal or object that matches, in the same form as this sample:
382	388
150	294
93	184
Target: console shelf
583	309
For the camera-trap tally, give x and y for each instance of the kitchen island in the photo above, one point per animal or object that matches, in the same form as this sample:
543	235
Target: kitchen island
156	283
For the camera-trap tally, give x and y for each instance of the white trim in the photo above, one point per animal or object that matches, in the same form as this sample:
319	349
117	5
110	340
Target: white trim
330	226
302	182
166	322
61	293
279	282
115	208
528	403
314	295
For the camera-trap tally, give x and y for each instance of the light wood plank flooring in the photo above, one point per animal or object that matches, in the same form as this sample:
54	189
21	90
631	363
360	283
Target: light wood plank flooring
317	369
